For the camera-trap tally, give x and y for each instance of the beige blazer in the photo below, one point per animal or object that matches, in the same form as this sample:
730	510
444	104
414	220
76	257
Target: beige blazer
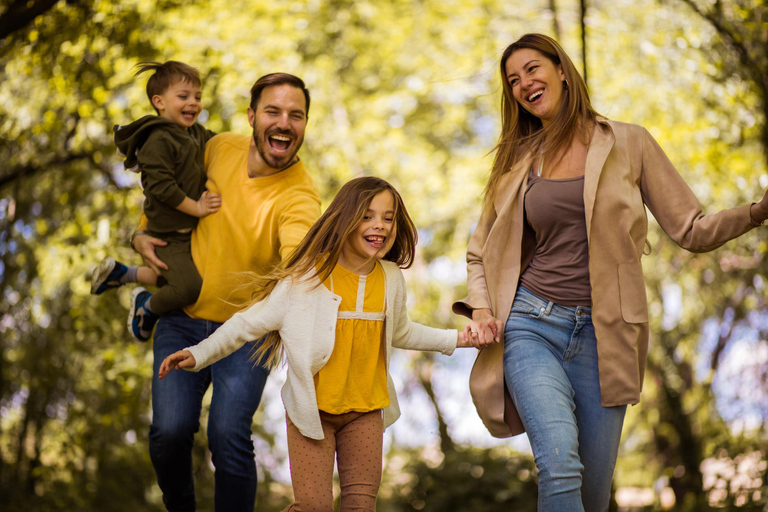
626	171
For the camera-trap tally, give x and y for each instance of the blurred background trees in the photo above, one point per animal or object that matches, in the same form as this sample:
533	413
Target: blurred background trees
408	90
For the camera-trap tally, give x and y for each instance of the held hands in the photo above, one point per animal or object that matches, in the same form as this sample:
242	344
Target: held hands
180	359
482	331
207	204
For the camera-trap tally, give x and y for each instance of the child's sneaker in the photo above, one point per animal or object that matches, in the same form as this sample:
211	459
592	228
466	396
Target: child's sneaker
141	321
107	276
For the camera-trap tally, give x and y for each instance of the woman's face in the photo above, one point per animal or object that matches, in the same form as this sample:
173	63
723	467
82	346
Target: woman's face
536	82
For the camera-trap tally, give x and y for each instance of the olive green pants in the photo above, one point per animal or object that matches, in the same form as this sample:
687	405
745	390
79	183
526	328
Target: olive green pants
180	285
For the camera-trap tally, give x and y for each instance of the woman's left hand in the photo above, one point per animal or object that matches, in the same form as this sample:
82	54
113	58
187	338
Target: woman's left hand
759	211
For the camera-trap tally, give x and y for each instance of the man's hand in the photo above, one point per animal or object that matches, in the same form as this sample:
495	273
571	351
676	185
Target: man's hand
145	245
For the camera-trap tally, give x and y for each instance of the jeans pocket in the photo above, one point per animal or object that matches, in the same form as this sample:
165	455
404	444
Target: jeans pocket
524	309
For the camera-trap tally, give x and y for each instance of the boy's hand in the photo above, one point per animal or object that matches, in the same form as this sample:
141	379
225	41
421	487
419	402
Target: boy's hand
180	359
208	203
145	245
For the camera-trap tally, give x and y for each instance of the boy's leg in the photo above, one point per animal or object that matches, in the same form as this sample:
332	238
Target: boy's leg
183	282
358	455
237	388
311	468
176	405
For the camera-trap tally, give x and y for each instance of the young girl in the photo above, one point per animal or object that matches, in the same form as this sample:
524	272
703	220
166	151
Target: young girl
337	307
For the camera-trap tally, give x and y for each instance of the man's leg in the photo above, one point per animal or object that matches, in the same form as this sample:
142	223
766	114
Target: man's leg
176	404
237	389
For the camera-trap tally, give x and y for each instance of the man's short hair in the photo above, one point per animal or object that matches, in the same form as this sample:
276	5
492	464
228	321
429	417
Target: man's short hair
277	79
166	74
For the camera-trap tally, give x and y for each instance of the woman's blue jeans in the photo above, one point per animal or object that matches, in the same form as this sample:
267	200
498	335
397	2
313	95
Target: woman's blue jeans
176	406
550	366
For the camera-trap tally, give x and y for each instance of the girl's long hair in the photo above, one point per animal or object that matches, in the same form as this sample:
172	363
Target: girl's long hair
318	253
522	133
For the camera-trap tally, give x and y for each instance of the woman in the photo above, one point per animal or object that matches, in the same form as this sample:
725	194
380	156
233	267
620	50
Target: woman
554	265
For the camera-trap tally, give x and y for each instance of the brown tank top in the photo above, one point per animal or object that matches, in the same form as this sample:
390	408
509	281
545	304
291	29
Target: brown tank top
559	270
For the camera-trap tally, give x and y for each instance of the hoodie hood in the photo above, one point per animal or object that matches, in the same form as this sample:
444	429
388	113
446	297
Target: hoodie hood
130	138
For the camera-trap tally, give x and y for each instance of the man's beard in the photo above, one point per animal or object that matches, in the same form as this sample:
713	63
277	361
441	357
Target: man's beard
263	147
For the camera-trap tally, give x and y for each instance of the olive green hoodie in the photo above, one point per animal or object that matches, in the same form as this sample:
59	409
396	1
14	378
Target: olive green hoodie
171	162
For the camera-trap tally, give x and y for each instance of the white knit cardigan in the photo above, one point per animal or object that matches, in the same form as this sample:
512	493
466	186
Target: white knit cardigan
304	312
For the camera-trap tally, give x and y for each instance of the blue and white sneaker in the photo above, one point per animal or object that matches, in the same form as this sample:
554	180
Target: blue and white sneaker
141	321
107	276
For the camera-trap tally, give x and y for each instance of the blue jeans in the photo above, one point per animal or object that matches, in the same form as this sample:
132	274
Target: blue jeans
550	366
176	405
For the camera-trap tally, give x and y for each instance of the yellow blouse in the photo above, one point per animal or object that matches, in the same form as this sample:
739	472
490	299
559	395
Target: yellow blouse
355	378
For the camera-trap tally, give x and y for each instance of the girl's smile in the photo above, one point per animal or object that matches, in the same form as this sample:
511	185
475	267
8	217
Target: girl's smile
373	238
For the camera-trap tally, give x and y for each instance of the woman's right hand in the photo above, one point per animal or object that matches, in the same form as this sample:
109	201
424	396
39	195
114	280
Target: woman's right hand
489	329
180	359
145	245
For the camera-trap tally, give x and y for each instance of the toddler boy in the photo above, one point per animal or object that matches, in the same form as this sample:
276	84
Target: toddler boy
168	150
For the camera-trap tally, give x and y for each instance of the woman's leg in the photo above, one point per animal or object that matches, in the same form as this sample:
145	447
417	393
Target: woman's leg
358	454
536	342
599	427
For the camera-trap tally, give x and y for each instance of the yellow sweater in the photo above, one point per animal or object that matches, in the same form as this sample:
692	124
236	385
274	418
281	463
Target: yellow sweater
260	222
355	376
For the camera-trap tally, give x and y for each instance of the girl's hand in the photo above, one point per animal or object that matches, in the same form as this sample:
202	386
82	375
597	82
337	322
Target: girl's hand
180	359
489	329
145	245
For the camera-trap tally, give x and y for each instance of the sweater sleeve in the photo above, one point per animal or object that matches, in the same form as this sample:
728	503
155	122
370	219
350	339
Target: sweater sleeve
245	326
477	290
414	336
157	162
301	211
677	210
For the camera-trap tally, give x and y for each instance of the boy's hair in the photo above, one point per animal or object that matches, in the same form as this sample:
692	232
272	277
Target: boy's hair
278	79
166	74
321	247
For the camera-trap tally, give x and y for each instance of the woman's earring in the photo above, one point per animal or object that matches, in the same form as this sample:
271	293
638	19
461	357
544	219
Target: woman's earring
566	83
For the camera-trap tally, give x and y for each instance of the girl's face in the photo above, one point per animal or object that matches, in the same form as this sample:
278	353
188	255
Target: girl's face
536	82
373	238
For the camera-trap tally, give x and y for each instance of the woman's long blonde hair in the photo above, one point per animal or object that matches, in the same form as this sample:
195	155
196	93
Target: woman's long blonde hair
318	253
522	133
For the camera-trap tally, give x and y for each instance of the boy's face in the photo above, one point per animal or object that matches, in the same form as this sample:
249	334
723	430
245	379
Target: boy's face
180	103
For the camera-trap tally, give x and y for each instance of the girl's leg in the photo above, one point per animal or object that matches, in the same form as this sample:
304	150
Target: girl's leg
358	454
311	469
599	427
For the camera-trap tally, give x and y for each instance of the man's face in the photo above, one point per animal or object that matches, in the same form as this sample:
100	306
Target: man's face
278	124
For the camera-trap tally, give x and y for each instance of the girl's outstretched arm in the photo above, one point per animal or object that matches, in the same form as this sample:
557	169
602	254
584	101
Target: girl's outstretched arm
180	359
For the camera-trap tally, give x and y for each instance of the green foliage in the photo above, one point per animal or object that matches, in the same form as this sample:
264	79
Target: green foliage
404	89
469	479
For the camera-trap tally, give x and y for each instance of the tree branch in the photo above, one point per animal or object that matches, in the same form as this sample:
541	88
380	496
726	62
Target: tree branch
731	38
21	13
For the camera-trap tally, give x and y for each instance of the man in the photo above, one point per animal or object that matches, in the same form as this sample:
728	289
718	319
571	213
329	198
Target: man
269	203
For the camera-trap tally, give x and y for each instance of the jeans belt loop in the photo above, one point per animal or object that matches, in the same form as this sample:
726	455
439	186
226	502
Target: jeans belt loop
549	308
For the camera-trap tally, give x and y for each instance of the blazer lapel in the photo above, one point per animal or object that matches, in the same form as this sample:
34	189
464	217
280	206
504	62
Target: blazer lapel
599	148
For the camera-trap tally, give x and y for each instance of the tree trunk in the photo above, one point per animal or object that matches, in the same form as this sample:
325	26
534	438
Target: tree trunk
582	16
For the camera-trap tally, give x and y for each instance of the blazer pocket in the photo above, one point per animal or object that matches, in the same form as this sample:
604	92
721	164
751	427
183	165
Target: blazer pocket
634	304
